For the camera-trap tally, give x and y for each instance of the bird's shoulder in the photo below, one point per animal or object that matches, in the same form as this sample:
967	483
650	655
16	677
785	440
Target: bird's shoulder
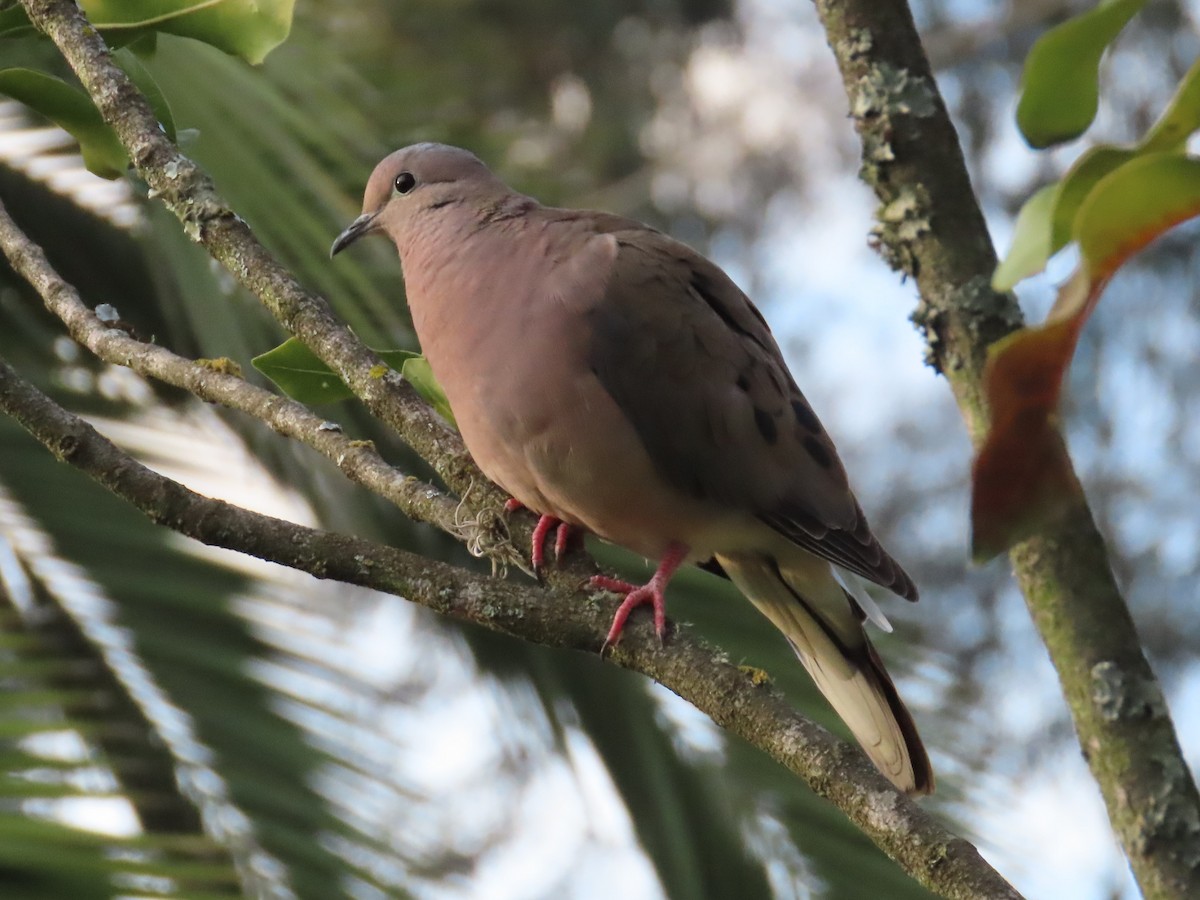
655	280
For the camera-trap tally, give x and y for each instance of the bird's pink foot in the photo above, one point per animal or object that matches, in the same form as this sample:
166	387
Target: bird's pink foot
563	539
634	597
652	592
541	531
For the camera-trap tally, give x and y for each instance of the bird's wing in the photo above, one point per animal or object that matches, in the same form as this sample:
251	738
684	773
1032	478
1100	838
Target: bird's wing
692	364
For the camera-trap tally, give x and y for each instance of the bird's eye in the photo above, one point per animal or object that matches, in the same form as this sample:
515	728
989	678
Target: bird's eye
405	182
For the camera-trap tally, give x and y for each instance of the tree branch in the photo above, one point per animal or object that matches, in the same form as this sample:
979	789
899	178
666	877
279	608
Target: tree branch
188	192
931	228
835	770
485	534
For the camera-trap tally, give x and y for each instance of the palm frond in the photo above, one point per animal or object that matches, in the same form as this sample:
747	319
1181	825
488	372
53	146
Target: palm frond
103	779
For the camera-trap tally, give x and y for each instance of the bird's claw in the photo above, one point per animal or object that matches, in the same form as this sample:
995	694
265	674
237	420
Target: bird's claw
545	524
562	540
538	554
635	596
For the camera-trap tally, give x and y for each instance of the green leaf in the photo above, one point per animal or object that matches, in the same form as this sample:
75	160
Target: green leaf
1083	176
1180	119
1060	88
1031	246
72	110
14	22
300	374
417	372
1046	222
247	28
1133	205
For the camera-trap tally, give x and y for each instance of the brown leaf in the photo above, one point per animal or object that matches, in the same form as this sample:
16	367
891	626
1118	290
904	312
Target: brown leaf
1022	477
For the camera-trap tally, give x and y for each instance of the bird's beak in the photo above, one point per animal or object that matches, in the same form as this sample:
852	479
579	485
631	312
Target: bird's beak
360	226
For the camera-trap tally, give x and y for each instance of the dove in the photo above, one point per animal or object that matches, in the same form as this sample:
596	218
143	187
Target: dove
612	379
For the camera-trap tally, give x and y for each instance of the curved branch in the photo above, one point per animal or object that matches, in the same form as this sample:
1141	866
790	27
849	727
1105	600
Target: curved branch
931	228
485	535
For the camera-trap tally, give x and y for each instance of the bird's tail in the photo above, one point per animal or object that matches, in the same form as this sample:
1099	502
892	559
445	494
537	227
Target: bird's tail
804	600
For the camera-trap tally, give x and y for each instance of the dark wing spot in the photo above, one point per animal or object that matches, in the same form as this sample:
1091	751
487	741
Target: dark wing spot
705	291
818	452
806	417
766	425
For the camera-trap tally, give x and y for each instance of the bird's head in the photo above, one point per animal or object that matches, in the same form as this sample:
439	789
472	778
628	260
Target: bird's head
410	184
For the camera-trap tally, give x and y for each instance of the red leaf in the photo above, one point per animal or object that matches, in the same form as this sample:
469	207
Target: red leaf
1022	477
